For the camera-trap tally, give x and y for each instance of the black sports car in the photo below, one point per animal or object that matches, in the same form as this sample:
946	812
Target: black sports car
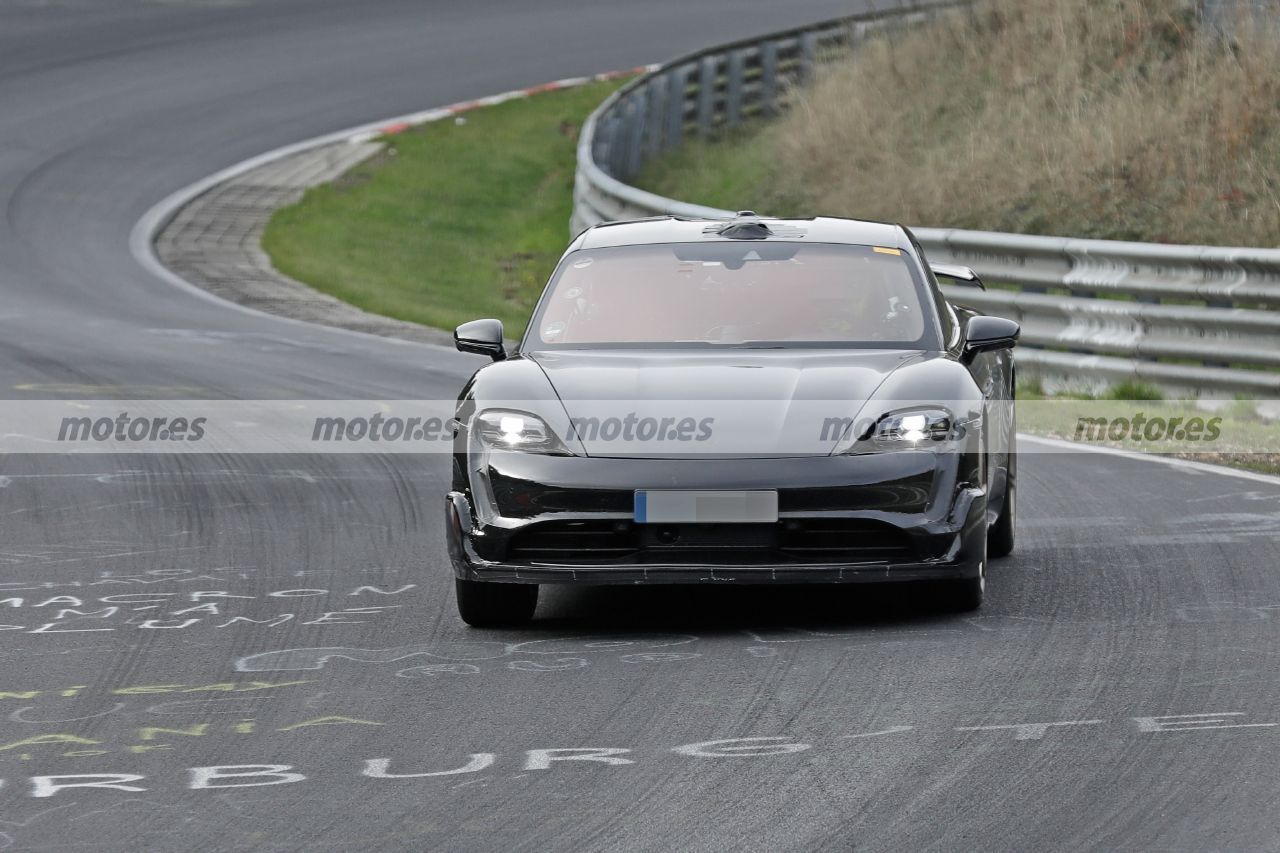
752	400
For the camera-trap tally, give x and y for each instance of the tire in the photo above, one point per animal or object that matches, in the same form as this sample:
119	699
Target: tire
483	604
964	595
1000	536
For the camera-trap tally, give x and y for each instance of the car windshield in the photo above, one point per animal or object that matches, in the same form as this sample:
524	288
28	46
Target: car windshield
734	293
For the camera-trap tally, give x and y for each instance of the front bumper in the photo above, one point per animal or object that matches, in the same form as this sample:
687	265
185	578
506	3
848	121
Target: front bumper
884	517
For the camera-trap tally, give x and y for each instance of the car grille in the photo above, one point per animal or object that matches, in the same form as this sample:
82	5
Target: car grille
554	541
517	498
826	541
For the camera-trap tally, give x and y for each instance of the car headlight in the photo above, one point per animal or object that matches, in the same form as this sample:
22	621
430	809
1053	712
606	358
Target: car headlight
499	429
909	429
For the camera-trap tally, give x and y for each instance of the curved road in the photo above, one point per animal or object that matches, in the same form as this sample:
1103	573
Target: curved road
1139	618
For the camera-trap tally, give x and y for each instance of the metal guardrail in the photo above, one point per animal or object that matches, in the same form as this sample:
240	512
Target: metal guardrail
1227	16
701	94
1198	319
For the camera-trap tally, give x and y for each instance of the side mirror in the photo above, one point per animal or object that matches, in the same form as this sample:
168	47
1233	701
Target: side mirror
958	275
483	337
985	334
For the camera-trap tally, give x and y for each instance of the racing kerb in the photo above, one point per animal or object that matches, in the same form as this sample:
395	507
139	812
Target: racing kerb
1191	319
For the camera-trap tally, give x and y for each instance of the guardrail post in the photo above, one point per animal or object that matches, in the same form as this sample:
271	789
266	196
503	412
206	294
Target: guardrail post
733	94
600	145
808	56
621	136
621	140
677	82
769	78
652	118
609	130
857	33
708	70
635	133
618	151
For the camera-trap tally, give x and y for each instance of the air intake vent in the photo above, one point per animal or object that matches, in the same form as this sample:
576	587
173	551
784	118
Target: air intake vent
812	541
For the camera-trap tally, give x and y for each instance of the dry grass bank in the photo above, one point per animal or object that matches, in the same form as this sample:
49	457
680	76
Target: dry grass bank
1107	118
1092	118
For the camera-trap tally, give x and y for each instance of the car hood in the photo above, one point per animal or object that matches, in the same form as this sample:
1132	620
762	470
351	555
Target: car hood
740	402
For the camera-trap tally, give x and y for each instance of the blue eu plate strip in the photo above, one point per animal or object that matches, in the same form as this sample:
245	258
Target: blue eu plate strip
641	507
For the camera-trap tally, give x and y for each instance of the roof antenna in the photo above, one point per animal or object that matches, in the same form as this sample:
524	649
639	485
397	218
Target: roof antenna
746	225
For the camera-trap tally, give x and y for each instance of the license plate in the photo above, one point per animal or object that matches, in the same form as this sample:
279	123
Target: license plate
702	507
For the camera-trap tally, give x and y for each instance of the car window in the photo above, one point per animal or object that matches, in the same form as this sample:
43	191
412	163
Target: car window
734	293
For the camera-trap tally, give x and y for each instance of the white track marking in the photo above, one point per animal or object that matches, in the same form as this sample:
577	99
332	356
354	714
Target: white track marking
142	237
1185	464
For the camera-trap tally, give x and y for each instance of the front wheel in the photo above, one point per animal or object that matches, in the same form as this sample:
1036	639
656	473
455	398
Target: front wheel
964	595
1000	538
485	604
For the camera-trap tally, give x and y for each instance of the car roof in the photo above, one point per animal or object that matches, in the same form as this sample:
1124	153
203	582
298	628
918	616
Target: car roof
675	229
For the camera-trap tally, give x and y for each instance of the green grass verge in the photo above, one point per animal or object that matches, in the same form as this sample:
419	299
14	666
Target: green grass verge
732	171
452	222
1245	441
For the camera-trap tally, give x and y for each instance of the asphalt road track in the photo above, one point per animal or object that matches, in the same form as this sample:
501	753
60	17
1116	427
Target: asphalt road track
1140	591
